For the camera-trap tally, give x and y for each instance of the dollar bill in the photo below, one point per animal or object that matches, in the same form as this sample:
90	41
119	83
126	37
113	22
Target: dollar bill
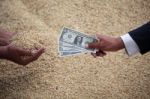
72	42
68	47
76	38
68	53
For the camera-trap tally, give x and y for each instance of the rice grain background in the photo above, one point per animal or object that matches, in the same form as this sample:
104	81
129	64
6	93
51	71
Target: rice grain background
38	23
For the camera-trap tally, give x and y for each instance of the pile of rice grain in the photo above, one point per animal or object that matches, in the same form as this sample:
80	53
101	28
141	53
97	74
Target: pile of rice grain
38	23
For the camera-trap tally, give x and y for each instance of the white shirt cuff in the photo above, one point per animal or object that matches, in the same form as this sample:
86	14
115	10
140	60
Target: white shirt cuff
130	45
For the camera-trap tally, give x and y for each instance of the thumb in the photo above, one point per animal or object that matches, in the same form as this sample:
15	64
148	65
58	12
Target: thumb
95	45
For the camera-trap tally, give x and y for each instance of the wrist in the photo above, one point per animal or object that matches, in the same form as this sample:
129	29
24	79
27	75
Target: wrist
119	43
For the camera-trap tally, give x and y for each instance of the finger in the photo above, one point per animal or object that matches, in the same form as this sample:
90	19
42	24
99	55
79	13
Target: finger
97	54
93	54
4	42
95	45
12	34
38	50
100	53
7	34
35	56
15	35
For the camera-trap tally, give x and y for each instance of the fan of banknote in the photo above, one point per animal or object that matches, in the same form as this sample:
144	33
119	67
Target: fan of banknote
72	42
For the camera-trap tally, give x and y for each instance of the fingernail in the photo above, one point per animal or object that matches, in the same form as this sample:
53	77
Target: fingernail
94	55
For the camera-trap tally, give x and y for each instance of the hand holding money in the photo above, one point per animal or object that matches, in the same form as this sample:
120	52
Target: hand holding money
72	42
106	43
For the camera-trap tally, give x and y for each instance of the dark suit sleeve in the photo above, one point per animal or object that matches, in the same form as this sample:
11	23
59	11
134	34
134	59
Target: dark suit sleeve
141	36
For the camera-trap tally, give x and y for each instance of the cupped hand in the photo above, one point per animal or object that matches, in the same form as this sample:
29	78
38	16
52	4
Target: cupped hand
22	56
